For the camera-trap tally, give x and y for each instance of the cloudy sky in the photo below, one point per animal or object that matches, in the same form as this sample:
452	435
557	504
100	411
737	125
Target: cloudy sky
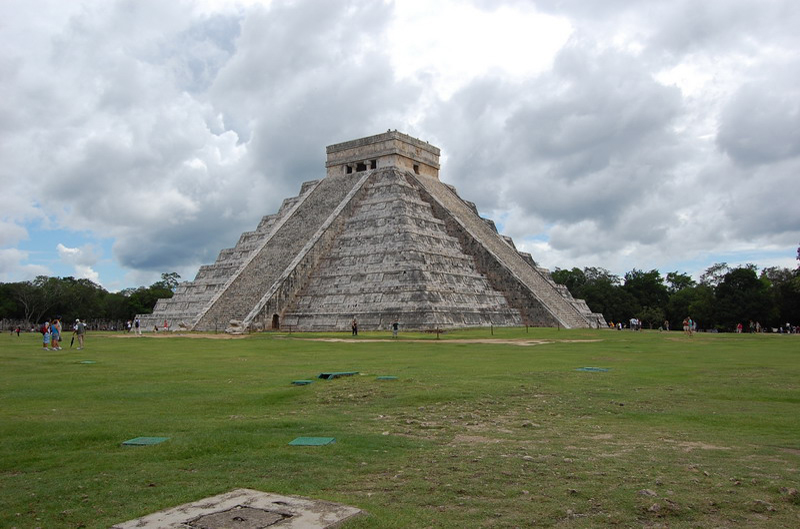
142	136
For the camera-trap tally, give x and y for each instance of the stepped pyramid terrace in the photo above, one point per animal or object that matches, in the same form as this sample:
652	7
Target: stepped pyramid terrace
381	239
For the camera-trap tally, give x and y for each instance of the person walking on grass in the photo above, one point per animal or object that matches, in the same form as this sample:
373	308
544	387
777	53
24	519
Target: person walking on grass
46	336
80	330
55	330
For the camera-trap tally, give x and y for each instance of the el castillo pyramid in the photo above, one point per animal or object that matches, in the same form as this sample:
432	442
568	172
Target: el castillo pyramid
379	239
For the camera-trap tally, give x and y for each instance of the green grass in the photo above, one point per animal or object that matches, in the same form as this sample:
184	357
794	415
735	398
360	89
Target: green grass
680	432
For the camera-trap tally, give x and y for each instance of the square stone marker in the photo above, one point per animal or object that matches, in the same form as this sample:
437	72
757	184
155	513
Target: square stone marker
337	374
144	441
312	441
247	509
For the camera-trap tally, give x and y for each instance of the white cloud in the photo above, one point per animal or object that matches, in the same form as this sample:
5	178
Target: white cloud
451	43
13	266
602	133
81	259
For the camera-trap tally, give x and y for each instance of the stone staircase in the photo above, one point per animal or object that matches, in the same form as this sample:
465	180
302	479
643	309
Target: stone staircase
192	297
380	238
394	260
536	285
258	275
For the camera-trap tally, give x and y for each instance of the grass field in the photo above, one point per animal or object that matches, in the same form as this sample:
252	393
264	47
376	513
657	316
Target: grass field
679	432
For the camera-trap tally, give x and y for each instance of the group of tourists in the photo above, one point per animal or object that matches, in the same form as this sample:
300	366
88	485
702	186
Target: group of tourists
689	326
135	325
354	327
52	330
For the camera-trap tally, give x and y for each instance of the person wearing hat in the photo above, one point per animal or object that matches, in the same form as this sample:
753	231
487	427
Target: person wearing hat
80	330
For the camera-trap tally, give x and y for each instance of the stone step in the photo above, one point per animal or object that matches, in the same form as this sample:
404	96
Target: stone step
503	255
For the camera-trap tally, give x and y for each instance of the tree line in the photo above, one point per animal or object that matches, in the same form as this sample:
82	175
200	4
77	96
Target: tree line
723	297
28	303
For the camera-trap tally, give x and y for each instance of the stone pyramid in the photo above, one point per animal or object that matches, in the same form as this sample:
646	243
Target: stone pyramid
379	239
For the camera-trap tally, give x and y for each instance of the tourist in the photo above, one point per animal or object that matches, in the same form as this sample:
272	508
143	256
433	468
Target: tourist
136	326
46	335
395	326
80	330
354	325
55	331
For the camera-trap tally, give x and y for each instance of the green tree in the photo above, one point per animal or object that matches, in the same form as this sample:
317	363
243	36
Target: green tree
680	303
714	274
678	281
651	316
741	296
600	289
169	281
116	307
9	307
574	280
647	288
79	298
703	309
37	298
604	294
142	300
784	289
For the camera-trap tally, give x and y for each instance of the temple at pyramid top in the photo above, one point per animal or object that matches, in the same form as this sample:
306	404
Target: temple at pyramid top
379	240
390	149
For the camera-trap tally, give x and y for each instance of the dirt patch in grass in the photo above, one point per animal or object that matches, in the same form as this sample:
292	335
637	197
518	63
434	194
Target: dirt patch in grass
474	439
688	446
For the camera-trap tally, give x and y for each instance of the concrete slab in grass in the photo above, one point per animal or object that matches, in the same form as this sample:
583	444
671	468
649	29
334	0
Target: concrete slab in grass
336	374
144	441
247	509
312	441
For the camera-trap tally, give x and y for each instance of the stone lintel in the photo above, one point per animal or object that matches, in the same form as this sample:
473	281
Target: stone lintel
390	149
